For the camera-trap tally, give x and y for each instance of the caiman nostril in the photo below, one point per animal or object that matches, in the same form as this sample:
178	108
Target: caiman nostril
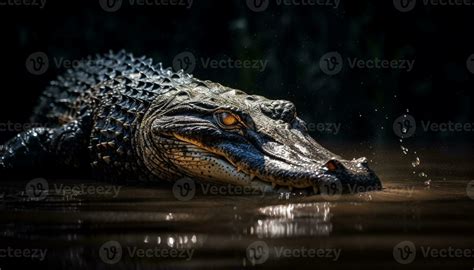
332	165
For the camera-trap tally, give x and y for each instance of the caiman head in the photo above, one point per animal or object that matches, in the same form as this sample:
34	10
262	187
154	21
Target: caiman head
212	133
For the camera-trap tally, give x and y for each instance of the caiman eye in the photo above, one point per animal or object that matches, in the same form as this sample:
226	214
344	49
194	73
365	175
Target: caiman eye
227	119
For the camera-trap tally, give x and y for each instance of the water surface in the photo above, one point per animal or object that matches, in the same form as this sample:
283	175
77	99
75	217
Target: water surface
154	230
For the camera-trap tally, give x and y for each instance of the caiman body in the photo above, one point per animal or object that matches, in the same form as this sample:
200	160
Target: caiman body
125	119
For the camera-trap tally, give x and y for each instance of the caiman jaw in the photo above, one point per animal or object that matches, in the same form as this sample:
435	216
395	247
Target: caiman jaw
244	175
222	135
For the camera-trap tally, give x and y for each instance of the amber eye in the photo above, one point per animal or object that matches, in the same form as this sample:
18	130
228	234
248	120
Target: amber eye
227	119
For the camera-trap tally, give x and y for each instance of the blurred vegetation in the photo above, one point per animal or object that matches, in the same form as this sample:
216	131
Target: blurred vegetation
291	38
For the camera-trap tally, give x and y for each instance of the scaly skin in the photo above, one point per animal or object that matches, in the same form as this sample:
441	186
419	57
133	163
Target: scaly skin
127	120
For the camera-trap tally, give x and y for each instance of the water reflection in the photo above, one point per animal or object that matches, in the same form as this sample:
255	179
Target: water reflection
293	220
177	241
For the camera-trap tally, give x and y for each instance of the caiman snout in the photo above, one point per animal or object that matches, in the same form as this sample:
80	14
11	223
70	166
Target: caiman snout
217	134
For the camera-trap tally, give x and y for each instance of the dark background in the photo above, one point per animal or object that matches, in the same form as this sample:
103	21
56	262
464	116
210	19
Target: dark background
291	38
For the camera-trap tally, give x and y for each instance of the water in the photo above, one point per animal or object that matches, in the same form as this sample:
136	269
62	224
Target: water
155	230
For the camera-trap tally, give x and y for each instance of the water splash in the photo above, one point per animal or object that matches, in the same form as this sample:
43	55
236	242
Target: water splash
416	163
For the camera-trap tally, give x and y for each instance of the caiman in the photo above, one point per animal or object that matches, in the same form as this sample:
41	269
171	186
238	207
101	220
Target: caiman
122	118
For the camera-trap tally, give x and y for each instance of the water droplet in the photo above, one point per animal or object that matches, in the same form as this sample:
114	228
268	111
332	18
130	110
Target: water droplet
416	163
404	149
